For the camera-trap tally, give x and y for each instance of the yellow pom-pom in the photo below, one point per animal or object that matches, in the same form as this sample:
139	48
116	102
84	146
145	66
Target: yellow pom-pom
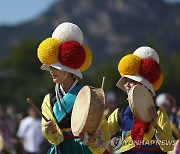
88	59
129	65
158	83
48	51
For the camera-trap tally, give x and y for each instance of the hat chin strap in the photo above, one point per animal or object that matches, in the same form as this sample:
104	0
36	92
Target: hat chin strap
63	79
58	95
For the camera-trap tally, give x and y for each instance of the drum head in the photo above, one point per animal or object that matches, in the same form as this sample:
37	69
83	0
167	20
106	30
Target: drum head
140	99
80	110
88	110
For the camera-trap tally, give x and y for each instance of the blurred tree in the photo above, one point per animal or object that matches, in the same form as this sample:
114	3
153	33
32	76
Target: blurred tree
170	67
25	78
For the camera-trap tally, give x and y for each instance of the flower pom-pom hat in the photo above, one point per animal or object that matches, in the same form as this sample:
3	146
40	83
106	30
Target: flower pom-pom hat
65	50
141	66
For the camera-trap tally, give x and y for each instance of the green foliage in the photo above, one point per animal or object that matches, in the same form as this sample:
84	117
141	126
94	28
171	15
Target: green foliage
25	78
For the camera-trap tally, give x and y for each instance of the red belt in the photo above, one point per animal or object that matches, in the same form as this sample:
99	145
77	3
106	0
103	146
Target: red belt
70	137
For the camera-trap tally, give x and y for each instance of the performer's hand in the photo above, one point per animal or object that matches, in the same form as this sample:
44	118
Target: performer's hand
91	138
154	115
51	126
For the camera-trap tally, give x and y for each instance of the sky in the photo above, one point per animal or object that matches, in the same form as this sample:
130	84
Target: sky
13	12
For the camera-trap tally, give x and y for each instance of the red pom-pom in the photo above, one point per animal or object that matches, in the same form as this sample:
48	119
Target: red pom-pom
150	70
71	54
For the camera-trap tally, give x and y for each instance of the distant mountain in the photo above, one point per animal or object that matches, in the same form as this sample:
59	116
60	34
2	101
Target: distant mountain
109	26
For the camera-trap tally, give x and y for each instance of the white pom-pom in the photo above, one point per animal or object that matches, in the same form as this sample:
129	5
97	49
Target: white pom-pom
68	32
146	52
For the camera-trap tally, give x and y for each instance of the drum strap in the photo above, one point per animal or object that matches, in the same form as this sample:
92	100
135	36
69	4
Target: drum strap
52	98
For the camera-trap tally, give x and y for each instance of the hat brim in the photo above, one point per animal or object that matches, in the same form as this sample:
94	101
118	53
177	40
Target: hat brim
138	78
59	66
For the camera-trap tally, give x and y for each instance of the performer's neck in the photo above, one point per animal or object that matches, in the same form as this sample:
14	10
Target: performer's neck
68	82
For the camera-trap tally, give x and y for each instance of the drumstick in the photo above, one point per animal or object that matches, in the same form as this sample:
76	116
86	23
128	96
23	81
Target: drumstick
102	85
30	101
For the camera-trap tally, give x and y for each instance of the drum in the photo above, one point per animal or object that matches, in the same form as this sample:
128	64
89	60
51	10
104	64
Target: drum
88	110
140	99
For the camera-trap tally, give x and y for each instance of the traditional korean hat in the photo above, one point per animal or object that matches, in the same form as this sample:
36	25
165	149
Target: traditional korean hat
141	66
65	50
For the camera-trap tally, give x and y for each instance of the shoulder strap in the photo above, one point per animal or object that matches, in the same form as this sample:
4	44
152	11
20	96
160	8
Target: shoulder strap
52	98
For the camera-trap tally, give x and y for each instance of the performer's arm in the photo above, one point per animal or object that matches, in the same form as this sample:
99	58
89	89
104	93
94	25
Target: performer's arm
114	122
163	131
53	137
106	130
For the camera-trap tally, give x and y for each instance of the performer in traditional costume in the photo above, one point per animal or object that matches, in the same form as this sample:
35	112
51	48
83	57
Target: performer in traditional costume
168	103
142	67
66	57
